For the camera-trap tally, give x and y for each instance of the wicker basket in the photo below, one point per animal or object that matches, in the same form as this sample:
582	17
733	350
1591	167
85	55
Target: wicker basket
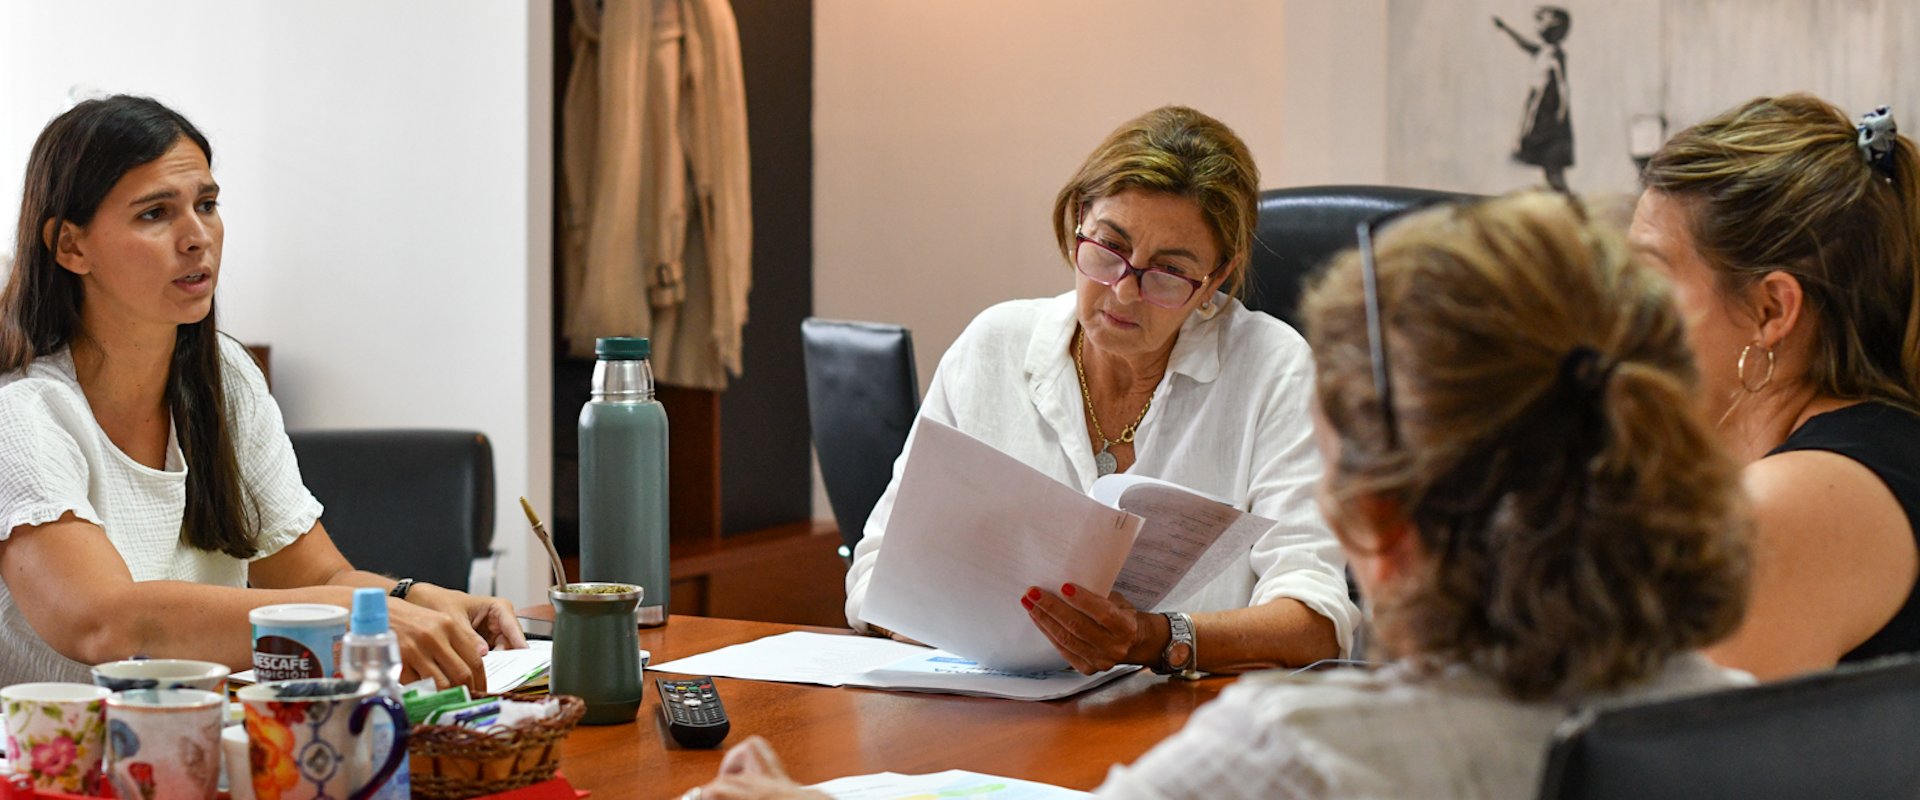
451	762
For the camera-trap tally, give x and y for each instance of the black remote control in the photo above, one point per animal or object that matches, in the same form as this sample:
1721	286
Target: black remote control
693	712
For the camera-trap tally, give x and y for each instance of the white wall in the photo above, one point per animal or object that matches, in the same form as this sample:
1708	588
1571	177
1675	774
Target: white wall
385	184
943	130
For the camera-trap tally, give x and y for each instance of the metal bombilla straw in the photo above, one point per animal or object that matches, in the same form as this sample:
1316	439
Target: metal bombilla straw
540	531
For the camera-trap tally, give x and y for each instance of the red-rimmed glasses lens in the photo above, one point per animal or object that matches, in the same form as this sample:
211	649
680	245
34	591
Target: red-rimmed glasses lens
1104	265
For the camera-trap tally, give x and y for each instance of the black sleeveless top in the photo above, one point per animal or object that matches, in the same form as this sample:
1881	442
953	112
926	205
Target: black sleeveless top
1886	440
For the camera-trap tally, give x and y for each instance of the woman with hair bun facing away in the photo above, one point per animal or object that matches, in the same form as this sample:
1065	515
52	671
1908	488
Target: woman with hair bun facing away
1792	236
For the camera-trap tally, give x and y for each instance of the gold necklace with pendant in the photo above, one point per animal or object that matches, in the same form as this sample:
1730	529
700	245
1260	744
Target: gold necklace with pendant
1104	461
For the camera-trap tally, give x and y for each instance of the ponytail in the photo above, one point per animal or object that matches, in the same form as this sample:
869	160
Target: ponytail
1785	184
1905	163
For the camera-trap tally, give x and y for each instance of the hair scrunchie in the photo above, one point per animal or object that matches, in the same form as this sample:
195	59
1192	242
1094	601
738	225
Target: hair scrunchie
1877	133
1583	370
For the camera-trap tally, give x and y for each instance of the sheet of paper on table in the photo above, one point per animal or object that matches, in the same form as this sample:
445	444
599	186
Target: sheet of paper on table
507	670
972	528
952	783
946	673
874	663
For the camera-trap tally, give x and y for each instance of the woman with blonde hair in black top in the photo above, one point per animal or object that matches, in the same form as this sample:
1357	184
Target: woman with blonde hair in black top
1792	236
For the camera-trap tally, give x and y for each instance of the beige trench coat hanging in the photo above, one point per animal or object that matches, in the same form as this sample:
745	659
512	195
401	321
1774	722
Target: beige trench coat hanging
656	217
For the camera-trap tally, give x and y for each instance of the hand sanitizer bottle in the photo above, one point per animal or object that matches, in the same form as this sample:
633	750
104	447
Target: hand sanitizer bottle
370	654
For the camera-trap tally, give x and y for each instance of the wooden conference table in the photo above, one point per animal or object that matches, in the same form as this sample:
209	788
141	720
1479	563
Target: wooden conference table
823	732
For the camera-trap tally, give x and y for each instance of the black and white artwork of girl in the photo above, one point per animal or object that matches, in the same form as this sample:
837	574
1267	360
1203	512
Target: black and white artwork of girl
1546	130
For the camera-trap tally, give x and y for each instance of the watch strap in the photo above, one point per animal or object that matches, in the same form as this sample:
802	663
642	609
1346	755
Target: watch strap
1179	634
401	587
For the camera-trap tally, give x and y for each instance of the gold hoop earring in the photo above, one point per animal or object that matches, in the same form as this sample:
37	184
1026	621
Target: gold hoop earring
1741	369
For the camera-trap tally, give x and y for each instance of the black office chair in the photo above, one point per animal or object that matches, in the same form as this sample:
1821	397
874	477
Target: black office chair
1302	228
1853	732
407	503
862	394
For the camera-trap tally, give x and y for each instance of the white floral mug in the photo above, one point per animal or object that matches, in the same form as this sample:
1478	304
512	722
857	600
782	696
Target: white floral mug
164	744
56	734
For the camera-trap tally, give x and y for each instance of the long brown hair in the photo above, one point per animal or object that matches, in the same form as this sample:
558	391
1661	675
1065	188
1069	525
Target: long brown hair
77	160
1580	526
1780	184
1180	151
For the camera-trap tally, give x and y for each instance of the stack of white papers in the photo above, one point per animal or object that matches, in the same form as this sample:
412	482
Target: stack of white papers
973	528
865	661
952	783
508	670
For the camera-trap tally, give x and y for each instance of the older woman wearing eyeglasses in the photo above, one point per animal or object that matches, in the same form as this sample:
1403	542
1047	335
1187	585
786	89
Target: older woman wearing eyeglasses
1151	367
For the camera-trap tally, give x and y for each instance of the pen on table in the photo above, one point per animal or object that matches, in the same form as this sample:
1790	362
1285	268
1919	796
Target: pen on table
540	531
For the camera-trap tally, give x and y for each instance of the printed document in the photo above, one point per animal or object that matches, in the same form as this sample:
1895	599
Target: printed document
946	673
874	663
973	527
795	657
1186	540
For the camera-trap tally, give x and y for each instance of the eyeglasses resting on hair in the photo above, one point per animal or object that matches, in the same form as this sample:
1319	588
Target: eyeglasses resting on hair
1370	287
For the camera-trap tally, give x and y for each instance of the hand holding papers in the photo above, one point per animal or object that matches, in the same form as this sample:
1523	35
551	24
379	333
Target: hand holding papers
972	528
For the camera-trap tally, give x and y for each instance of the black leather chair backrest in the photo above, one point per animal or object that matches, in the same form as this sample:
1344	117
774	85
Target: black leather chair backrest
1302	228
407	503
1852	732
862	394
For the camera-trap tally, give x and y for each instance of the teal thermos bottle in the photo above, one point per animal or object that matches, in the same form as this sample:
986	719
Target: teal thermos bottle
623	477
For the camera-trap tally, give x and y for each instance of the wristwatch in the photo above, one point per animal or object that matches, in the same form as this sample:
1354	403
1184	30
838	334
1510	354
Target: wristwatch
1181	654
401	587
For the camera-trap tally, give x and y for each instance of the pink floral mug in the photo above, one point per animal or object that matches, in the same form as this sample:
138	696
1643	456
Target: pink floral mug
56	734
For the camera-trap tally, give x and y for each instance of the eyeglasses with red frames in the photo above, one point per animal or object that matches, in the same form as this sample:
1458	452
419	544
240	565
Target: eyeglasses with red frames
1106	266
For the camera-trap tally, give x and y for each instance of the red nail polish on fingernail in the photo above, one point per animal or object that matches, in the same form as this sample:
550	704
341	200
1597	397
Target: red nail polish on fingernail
1033	594
1066	589
1027	603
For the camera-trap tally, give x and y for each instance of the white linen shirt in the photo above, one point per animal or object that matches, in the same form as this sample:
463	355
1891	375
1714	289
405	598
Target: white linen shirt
1230	418
54	458
1395	733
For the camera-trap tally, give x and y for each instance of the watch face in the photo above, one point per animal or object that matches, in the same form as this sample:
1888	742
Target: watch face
1180	655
